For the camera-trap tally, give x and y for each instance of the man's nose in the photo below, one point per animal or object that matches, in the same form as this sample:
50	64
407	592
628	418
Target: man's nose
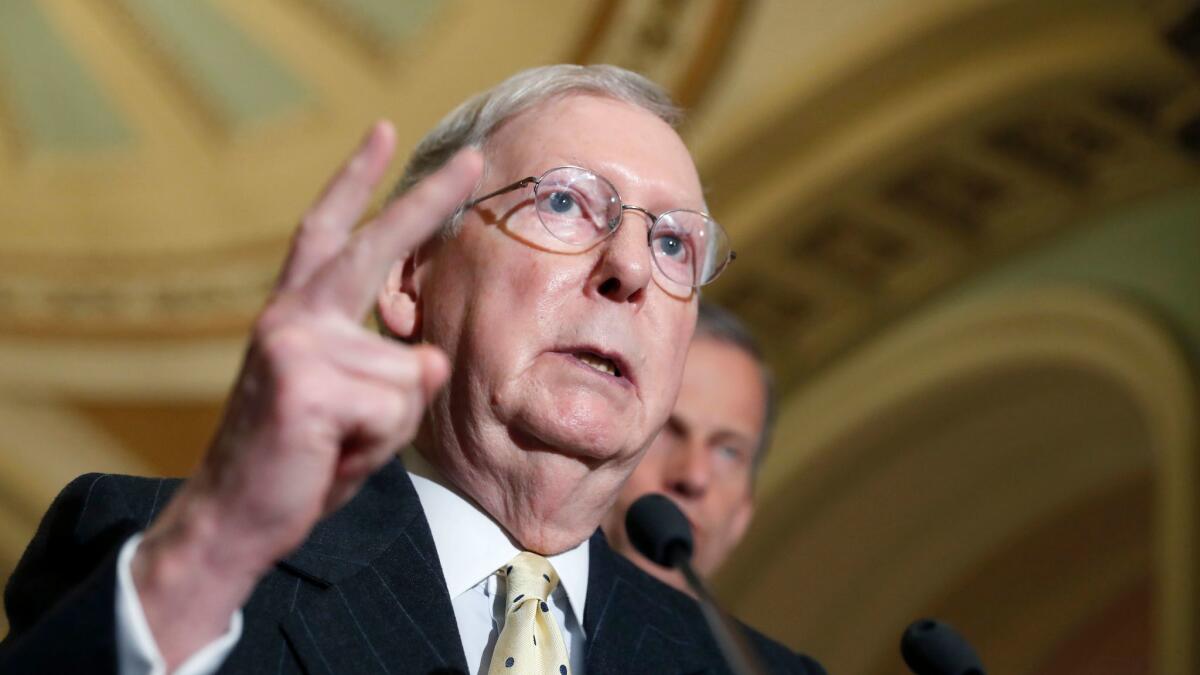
689	473
623	271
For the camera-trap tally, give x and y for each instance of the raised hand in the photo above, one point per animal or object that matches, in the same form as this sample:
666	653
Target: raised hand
319	405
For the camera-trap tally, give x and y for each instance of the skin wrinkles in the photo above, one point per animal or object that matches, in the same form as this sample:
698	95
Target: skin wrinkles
310	365
538	442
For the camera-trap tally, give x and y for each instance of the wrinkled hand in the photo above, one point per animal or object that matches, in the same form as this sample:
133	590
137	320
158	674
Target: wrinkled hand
320	403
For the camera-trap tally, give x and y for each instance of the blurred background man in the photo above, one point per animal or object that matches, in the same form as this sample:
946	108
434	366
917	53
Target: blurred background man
706	456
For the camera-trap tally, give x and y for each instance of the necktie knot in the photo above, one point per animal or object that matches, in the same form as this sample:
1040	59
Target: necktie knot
529	577
530	642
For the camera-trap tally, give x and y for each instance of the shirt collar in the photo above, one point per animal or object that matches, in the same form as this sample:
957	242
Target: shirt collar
471	546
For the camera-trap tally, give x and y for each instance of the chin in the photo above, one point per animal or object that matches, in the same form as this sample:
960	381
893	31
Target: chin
590	445
586	429
549	544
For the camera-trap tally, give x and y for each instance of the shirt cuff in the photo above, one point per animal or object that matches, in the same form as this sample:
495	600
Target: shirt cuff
137	652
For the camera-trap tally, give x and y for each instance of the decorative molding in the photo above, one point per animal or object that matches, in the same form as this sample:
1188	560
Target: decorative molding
205	295
194	370
680	44
234	113
862	467
932	161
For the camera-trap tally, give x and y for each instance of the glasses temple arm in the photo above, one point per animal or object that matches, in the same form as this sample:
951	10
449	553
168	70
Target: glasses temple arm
508	188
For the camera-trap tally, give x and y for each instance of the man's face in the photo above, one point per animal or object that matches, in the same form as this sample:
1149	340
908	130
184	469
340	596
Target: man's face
524	410
703	458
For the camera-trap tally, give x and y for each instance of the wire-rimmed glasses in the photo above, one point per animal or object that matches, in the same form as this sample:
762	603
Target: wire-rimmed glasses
581	208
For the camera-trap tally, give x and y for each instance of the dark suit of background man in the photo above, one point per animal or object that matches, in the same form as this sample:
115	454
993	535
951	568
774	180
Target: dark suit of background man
542	337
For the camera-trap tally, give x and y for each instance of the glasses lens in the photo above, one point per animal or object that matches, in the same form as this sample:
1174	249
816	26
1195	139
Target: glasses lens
689	248
577	206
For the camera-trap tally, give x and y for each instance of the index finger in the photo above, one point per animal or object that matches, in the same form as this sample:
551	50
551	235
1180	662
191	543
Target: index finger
328	223
350	281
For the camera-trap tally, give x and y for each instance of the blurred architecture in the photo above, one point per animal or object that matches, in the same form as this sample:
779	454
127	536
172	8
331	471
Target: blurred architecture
968	233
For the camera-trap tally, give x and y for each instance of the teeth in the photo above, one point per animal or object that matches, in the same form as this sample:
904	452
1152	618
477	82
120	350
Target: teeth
599	363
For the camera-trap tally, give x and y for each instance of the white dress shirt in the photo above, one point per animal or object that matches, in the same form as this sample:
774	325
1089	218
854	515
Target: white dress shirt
137	652
471	548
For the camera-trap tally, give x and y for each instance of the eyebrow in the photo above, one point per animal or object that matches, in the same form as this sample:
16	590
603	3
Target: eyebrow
733	435
574	160
675	423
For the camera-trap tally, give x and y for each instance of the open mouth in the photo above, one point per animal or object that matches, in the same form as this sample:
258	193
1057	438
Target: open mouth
600	363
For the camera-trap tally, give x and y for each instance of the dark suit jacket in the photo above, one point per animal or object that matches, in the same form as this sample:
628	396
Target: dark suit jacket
364	594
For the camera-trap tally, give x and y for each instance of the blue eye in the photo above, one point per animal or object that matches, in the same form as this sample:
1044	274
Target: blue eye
561	202
670	246
733	456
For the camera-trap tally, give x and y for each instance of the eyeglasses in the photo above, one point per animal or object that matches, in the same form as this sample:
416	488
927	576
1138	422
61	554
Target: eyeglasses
580	209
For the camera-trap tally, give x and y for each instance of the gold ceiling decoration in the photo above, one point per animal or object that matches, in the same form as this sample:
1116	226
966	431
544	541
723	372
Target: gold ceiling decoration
930	456
990	133
154	154
680	44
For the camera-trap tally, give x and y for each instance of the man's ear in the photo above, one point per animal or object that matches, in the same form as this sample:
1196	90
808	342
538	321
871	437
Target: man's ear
399	300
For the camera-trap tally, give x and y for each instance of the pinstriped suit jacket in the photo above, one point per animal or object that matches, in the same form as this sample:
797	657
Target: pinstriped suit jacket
364	594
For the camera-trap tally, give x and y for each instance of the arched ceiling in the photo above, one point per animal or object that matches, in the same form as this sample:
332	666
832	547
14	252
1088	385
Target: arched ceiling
936	144
155	155
969	462
866	156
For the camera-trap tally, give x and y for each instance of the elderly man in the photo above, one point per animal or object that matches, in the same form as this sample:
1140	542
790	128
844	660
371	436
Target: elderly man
539	352
706	456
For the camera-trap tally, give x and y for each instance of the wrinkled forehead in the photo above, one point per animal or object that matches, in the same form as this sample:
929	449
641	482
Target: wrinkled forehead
639	153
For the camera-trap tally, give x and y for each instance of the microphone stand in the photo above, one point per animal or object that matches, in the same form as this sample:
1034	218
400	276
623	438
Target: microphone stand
660	532
738	652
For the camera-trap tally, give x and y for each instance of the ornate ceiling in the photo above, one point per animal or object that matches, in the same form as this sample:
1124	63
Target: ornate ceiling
868	157
954	146
155	154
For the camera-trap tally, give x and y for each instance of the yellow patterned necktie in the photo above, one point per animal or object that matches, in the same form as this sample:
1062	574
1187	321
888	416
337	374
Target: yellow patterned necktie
530	643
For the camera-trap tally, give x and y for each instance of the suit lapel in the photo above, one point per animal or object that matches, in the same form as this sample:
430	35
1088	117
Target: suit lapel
384	607
632	622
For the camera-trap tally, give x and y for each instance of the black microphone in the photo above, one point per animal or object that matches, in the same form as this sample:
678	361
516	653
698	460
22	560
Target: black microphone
658	530
930	647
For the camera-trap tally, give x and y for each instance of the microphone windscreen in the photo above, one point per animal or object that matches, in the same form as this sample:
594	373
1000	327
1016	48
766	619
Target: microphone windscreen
930	647
658	530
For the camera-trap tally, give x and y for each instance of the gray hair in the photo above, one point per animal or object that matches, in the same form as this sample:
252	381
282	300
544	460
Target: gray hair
715	323
473	123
